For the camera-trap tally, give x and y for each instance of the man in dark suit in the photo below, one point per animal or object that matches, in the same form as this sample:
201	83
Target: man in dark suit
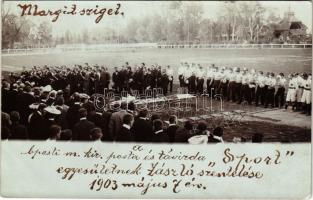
142	128
125	135
171	130
37	124
25	100
116	80
18	131
159	135
82	129
116	121
6	97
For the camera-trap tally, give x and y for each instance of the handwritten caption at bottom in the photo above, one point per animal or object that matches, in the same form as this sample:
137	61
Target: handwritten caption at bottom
145	168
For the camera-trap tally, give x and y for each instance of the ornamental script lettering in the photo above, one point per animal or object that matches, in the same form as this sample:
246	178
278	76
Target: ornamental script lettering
143	169
34	10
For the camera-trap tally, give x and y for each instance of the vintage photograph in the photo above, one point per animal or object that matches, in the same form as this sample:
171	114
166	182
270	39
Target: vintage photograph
171	72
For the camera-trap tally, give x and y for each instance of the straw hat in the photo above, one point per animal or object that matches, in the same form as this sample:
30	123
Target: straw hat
198	139
52	110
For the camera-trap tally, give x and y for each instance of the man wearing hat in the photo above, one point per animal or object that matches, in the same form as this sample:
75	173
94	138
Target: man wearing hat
291	94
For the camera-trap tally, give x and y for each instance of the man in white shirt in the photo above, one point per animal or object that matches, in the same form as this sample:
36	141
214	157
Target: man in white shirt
252	86
306	96
280	93
231	85
244	91
299	91
181	71
170	74
200	73
209	79
238	81
291	94
259	95
271	82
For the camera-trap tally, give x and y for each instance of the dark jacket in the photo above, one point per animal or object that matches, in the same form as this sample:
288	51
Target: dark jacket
159	137
171	132
142	130
37	127
81	130
182	135
18	131
124	135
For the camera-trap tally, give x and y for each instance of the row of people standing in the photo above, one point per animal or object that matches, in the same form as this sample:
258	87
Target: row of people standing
238	85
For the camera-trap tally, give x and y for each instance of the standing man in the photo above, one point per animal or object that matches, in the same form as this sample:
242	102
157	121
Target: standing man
291	94
306	96
299	91
116	80
200	79
280	94
181	72
170	74
260	91
271	82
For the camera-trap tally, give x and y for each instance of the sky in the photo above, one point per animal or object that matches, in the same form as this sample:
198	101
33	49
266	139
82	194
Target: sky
136	9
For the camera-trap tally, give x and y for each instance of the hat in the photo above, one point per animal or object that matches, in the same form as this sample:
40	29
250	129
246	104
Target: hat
52	110
60	92
34	106
84	96
47	88
198	139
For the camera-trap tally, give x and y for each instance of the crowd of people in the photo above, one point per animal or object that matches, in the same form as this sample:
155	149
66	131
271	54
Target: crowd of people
258	88
57	102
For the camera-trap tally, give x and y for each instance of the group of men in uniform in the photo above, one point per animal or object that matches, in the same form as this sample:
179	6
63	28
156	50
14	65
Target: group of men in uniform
240	84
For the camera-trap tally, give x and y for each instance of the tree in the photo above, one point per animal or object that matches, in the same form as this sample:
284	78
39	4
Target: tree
192	12
45	32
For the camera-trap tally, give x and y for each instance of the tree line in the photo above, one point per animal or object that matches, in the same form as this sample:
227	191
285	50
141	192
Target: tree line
178	22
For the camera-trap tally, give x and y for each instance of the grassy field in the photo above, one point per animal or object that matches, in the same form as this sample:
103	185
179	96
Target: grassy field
273	60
